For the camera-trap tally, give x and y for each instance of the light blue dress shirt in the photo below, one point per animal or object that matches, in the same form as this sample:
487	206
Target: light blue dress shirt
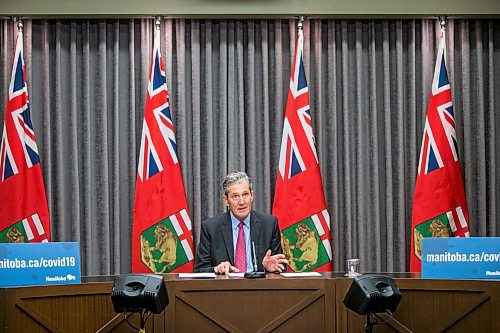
248	246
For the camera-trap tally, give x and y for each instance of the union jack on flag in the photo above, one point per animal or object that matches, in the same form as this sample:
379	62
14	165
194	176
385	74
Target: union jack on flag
299	202
439	124
158	129
291	162
439	203
18	139
162	239
22	191
300	93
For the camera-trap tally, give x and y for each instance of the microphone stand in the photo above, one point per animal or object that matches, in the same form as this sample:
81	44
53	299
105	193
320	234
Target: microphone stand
255	274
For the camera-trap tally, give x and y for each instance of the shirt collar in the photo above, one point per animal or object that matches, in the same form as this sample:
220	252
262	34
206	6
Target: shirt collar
235	222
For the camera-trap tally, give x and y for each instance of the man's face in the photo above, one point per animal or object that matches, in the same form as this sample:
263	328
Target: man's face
239	199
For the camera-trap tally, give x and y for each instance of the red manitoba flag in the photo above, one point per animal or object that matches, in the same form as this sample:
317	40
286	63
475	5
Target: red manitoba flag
439	205
24	214
162	239
299	202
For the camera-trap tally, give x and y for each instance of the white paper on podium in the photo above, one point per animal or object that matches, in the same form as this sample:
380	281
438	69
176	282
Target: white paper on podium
236	274
303	274
197	275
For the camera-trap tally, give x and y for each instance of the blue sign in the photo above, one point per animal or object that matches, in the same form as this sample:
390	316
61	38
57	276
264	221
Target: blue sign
30	264
461	258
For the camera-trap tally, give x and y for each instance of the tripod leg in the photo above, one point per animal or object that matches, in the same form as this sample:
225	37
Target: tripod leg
143	322
368	324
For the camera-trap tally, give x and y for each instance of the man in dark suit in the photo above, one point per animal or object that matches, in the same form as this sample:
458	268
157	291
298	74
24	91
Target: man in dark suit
226	240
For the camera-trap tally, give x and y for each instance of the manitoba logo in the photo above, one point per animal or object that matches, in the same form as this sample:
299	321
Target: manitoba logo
165	245
306	245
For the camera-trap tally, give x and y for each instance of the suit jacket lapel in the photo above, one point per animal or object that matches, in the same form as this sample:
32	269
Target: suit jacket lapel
255	233
227	234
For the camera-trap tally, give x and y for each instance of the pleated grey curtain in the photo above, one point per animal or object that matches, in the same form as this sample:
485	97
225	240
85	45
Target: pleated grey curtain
369	83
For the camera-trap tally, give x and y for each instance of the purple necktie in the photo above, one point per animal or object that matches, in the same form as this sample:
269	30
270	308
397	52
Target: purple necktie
241	252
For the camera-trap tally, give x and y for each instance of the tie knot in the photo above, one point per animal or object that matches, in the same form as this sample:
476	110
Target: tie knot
241	225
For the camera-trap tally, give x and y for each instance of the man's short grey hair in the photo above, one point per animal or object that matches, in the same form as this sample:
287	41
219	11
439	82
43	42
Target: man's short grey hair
236	178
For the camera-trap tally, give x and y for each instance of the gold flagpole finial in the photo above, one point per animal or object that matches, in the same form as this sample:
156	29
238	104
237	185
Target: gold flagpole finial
157	22
442	21
301	18
19	23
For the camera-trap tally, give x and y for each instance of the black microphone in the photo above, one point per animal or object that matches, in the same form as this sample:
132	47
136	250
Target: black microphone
255	274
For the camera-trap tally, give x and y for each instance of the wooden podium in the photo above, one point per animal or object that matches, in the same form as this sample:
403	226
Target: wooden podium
273	304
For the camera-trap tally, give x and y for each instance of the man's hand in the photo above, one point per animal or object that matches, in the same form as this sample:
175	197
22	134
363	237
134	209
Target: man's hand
225	267
274	264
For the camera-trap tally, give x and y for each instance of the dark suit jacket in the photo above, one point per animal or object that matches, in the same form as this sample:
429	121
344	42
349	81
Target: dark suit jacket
216	240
